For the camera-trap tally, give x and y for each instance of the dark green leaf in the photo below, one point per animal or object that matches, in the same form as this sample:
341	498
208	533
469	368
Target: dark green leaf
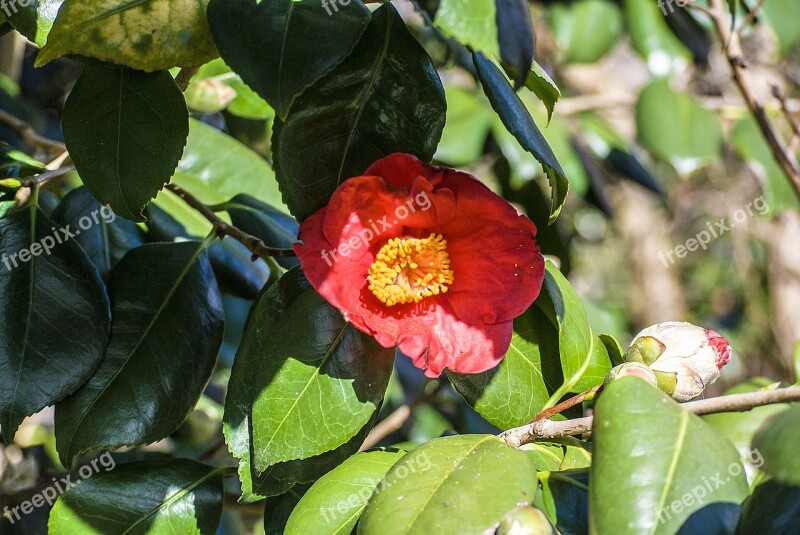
615	352
157	496
649	454
275	46
565	499
385	97
776	442
772	509
103	236
515	36
309	379
149	35
335	502
470	483
54	312
514	392
125	131
164	340
520	124
279	508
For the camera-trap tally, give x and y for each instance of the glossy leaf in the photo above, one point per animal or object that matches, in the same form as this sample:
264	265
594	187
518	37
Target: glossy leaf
472	23
776	442
54	312
586	30
125	131
155	496
335	502
543	87
103	236
472	482
216	167
149	35
520	124
676	127
649	453
773	508
515	391
516	37
565	500
385	97
275	46
307	378
34	18
164	340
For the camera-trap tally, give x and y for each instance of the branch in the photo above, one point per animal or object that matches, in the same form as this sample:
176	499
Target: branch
566	404
733	52
548	429
254	244
184	77
29	135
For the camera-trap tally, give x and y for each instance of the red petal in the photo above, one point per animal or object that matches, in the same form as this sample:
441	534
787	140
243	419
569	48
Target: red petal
493	253
400	170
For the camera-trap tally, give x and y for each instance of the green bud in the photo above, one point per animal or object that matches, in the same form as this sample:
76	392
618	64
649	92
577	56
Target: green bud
12	183
525	520
666	381
645	349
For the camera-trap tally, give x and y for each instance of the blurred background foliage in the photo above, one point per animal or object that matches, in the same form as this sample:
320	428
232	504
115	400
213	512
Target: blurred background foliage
657	144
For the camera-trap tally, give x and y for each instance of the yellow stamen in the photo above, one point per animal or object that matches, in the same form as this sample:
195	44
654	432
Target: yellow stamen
407	270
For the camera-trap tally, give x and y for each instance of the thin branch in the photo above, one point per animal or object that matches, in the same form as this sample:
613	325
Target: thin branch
43	178
29	135
254	244
184	77
778	94
548	429
751	15
564	405
733	52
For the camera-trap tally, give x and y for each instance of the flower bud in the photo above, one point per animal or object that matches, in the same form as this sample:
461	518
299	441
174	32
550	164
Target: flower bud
209	96
690	360
632	369
525	520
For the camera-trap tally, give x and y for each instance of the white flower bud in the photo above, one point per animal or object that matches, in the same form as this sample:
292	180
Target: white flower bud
692	354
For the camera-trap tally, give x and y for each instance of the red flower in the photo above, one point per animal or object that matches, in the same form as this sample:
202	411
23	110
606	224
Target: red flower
427	259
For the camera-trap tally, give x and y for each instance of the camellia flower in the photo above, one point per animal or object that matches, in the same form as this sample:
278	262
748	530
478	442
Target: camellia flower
684	358
427	259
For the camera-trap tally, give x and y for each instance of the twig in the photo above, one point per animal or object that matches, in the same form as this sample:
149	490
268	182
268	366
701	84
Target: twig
29	135
778	94
749	17
548	429
254	244
733	52
184	77
564	405
43	178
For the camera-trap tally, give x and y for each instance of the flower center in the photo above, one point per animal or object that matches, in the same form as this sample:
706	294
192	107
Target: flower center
406	270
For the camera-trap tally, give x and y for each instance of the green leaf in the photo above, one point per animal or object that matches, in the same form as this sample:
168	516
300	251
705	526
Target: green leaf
676	127
543	87
586	30
652	38
247	103
385	97
520	124
472	23
649	455
216	167
34	19
164	340
156	496
615	352
515	391
279	508
54	312
782	15
471	482
584	359
773	508
125	131
565	499
309	380
335	502
776	442
515	37
103	236
275	46
149	35
469	120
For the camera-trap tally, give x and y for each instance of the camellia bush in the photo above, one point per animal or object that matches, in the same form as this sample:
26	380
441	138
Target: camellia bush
298	266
